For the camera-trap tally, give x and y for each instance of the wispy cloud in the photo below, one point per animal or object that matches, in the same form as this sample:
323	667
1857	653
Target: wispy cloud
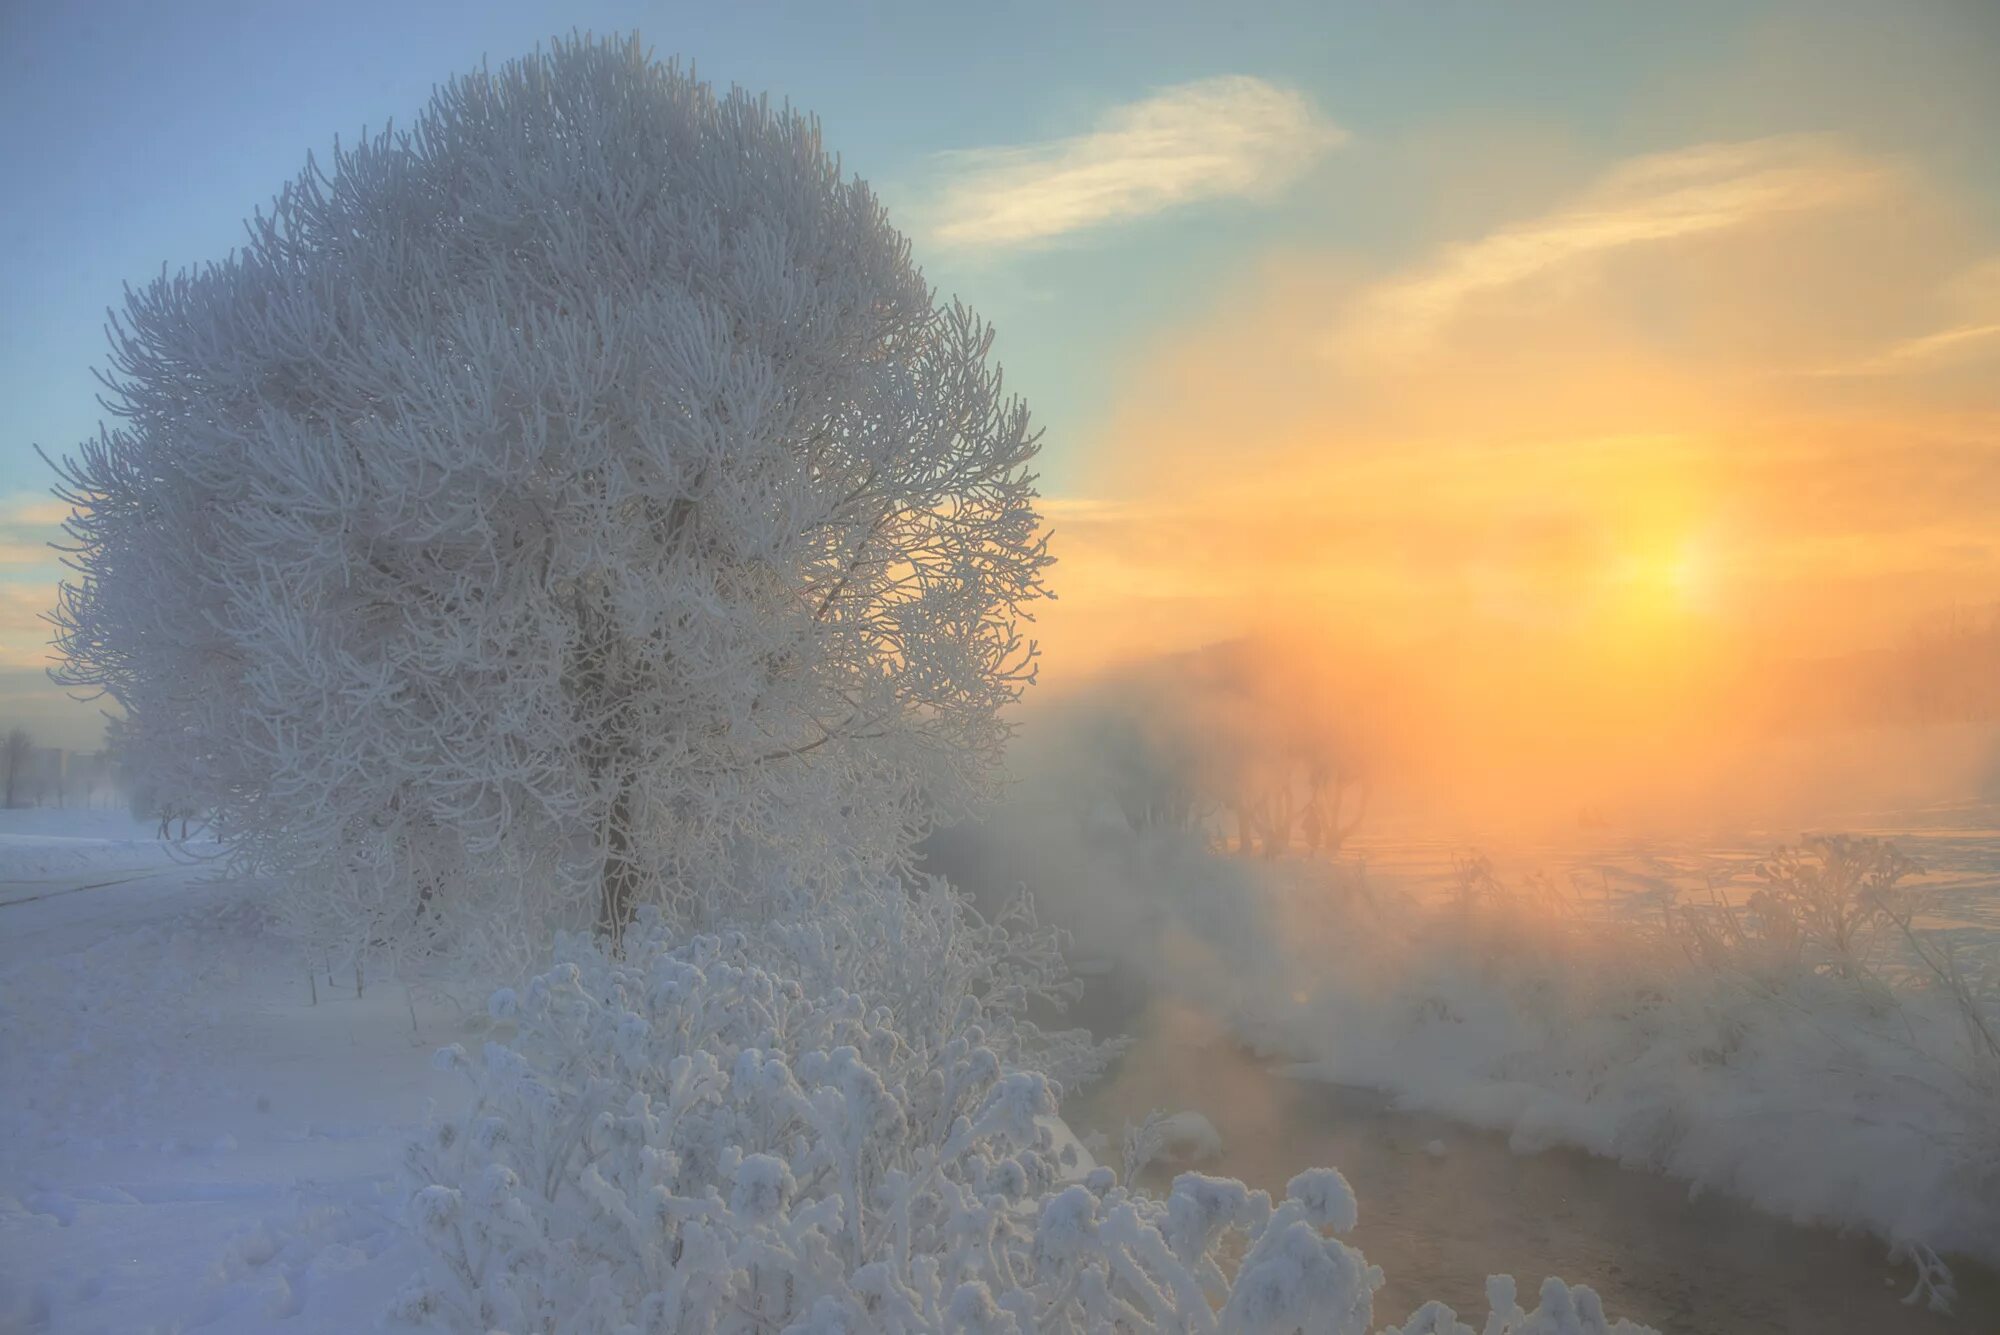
29	521
1973	298
18	553
1946	347
29	573
33	507
24	634
1225	137
1658	198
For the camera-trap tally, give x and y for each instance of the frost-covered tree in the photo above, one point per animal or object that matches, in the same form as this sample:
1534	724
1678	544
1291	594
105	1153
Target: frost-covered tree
575	500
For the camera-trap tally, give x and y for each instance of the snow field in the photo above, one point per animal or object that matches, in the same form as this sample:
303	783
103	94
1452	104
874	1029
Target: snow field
189	1143
197	1138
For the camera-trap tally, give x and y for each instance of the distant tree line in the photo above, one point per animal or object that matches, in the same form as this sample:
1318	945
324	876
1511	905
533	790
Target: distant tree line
1945	669
49	776
1236	740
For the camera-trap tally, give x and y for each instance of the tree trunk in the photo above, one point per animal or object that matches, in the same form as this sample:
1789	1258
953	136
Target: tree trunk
1340	833
621	874
1278	823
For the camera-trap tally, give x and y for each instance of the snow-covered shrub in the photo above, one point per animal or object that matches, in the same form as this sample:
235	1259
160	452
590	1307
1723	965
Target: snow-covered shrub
1832	902
921	951
1832	937
573	500
680	1139
1562	1311
1185	1137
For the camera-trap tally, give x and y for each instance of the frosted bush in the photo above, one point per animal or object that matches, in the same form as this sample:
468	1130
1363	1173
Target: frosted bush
921	951
679	1138
1184	1137
1828	906
1562	1311
1835	889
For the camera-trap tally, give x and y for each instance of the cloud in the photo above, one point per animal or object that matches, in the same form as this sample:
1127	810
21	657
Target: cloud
1945	347
30	570
24	634
33	508
1218	138
29	522
17	553
1972	298
1662	197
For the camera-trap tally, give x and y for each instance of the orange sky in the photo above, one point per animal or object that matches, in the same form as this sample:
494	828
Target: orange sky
1705	410
1749	386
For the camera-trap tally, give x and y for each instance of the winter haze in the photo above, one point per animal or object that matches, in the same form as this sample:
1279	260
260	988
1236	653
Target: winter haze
1408	690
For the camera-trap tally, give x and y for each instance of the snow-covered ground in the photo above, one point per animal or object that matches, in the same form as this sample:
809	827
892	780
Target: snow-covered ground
189	1142
198	1135
48	848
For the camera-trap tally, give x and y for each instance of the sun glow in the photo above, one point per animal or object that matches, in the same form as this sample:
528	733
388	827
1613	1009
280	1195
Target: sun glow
1670	579
1600	529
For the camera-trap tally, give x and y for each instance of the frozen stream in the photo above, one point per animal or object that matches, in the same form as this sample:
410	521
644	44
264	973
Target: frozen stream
1438	1223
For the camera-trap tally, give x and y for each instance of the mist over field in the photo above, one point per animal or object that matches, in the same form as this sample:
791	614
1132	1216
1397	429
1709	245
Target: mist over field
1023	670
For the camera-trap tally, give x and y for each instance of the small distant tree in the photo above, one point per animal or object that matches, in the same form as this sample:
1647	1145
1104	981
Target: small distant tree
17	757
1237	738
576	500
1333	767
1833	896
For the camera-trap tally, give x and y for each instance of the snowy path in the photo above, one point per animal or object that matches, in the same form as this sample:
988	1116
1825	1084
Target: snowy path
13	893
189	1143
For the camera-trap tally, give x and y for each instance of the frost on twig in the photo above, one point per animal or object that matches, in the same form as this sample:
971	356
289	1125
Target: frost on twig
1163	1137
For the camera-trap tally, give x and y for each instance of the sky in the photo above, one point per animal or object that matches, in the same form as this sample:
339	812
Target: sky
1604	342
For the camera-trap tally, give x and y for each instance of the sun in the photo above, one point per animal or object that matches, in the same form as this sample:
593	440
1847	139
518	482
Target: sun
1689	574
1665	579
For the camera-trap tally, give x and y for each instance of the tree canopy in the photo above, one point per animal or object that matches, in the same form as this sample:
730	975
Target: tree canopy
573	500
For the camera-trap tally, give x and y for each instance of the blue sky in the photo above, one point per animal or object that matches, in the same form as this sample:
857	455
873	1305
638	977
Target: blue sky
146	132
141	134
